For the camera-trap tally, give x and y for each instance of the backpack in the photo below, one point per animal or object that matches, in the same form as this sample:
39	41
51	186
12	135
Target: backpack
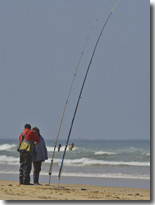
24	147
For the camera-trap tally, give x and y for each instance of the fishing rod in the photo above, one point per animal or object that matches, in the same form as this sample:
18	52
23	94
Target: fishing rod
61	166
52	159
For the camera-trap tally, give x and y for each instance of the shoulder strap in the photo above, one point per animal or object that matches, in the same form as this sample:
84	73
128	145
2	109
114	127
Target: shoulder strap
23	136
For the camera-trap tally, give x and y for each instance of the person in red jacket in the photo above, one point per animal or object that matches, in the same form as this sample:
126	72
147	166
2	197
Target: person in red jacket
29	134
26	158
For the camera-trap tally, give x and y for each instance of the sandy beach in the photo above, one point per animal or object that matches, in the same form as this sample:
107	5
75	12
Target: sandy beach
11	190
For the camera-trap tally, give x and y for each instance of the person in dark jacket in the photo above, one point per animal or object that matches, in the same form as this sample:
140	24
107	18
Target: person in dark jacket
26	157
39	156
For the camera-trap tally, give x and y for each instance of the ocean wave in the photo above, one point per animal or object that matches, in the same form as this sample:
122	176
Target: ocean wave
147	154
105	153
78	162
7	147
131	150
9	160
109	175
50	149
89	175
13	147
92	162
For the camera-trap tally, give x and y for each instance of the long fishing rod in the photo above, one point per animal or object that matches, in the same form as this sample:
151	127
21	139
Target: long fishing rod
52	159
61	166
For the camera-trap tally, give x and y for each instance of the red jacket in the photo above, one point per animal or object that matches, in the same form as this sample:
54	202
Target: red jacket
30	135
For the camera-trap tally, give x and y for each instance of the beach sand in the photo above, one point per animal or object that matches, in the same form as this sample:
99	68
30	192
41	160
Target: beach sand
11	190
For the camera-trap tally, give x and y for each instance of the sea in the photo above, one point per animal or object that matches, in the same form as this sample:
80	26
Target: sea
121	163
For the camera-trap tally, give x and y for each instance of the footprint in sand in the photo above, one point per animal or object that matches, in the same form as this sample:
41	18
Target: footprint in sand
96	192
117	197
9	184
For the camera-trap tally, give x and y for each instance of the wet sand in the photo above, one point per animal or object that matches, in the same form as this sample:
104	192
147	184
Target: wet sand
11	190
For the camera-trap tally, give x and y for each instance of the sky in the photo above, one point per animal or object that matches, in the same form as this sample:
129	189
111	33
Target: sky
41	42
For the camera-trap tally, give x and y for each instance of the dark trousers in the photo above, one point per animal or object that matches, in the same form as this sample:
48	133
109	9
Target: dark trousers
36	171
25	168
37	167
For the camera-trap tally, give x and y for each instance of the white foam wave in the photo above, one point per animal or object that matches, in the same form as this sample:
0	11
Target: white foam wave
50	149
90	175
55	161
133	149
9	160
92	162
7	147
109	175
77	162
146	154
105	153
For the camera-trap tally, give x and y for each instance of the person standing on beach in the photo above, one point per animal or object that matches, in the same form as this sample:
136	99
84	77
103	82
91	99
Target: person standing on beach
39	155
28	136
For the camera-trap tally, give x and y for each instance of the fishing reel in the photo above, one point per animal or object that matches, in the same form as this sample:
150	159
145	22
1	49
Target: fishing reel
71	146
59	146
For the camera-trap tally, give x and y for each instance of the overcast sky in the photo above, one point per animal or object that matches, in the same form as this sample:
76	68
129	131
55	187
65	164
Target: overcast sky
40	45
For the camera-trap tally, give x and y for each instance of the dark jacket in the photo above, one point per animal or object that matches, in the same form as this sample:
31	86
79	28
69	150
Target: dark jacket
40	151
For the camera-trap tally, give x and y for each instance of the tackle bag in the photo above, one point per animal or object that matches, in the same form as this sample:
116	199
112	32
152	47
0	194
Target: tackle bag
24	146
